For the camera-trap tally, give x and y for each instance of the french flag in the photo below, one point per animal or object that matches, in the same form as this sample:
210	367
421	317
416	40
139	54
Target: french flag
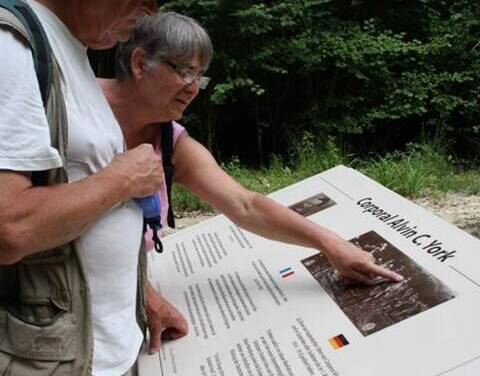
287	272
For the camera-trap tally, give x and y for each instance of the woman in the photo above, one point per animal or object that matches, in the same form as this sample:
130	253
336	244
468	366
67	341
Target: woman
159	72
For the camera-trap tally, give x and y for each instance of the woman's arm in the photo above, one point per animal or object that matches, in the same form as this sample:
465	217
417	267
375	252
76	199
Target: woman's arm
197	170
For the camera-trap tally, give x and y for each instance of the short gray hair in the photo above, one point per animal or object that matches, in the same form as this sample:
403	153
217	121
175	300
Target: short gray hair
165	36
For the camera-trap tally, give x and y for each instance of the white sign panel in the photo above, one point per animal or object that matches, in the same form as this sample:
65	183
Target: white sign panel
259	307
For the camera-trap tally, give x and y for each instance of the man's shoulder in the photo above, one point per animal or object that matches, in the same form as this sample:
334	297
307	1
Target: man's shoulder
25	141
13	43
16	63
16	55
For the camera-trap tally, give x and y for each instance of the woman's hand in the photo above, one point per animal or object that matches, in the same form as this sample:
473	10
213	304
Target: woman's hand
164	321
356	265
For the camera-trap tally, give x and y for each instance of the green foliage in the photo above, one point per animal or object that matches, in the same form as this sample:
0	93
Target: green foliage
467	182
419	168
183	200
366	72
311	156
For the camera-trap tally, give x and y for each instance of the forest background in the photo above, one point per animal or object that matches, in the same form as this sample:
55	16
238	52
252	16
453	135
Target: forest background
388	87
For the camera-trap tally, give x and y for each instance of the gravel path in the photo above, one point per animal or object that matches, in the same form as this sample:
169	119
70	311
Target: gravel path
186	219
462	211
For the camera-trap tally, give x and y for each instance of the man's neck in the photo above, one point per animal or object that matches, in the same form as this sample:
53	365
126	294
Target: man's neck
65	12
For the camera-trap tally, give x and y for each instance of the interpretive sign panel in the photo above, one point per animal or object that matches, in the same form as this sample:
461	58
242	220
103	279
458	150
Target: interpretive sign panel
260	307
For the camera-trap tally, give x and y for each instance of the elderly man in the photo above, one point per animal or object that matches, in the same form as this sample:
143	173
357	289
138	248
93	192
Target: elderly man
69	251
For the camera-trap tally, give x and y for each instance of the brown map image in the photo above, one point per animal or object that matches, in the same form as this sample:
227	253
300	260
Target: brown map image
373	308
313	205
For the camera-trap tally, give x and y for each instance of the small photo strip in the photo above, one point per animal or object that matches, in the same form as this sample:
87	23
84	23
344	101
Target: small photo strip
313	205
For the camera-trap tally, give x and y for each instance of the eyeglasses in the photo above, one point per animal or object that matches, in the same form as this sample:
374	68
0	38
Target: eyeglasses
189	76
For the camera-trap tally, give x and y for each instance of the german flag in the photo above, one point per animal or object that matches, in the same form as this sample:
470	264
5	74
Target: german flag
338	341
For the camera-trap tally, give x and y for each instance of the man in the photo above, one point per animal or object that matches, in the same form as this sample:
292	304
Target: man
69	251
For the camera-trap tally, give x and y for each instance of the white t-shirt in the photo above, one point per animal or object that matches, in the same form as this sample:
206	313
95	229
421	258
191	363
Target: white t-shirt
24	135
111	244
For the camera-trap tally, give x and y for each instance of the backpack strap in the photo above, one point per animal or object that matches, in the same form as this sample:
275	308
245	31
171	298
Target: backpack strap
167	152
19	16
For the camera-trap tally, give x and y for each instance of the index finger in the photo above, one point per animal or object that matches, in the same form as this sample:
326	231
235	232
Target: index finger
376	270
155	339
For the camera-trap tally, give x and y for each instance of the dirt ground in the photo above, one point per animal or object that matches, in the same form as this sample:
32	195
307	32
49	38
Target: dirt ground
463	211
186	219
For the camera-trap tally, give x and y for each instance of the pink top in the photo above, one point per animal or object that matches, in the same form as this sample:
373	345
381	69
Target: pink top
162	193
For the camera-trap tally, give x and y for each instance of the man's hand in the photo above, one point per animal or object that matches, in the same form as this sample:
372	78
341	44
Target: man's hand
141	170
164	321
356	265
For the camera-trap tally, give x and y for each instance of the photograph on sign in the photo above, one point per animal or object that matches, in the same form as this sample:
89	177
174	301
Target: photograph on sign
313	205
373	308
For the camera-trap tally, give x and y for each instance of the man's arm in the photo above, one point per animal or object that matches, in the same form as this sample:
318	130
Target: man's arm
33	218
197	170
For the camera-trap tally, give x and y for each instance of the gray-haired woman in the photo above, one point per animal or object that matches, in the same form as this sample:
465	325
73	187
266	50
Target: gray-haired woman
159	72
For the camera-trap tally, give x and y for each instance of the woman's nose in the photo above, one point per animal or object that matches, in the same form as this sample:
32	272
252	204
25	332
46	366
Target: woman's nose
192	88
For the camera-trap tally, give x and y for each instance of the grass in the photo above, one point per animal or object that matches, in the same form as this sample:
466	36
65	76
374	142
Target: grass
421	169
467	182
418	169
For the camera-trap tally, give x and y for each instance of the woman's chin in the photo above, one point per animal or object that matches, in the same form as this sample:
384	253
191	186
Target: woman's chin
176	115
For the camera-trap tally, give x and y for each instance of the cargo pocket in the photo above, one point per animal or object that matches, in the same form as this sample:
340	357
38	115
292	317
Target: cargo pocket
42	280
53	342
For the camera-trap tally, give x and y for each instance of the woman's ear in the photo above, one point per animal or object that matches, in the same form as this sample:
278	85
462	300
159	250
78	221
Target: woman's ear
137	64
